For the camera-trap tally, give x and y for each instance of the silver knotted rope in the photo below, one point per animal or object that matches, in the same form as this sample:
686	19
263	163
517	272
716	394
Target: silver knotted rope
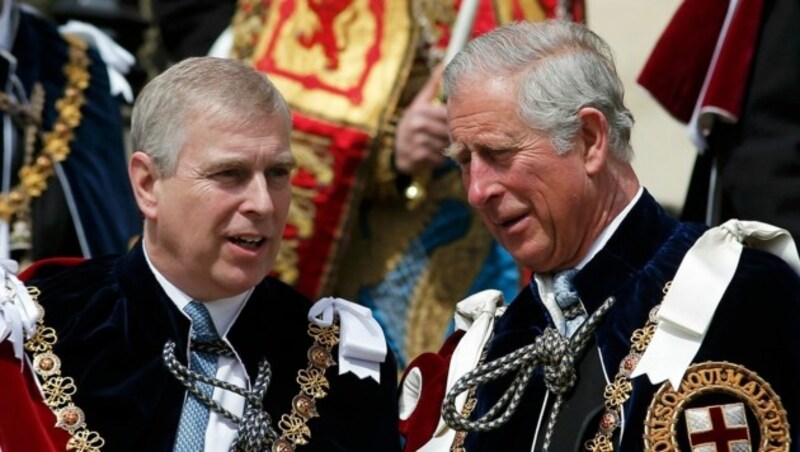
556	353
255	426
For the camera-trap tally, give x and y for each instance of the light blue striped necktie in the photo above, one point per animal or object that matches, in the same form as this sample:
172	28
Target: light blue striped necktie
569	301
194	418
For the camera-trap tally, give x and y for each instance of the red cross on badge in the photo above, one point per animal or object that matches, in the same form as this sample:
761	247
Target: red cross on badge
720	428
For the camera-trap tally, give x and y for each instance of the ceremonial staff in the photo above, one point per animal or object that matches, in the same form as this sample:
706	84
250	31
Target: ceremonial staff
460	34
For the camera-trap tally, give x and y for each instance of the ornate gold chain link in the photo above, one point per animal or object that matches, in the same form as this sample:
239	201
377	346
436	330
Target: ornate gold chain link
59	390
618	391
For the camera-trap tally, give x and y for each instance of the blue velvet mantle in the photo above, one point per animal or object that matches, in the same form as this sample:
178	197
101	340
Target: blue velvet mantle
103	213
112	319
757	325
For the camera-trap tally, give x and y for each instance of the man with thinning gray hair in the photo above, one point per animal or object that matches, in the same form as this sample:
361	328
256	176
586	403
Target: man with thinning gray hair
637	332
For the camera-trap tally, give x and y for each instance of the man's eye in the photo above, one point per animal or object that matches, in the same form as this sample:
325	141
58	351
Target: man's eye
227	175
279	177
279	172
462	159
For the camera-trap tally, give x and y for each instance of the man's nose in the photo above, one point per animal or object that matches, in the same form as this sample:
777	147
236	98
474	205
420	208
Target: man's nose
480	181
258	198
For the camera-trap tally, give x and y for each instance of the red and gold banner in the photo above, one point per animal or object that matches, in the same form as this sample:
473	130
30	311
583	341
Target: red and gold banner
337	60
340	64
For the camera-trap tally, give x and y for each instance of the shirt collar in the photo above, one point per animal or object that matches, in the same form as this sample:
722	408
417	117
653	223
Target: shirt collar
223	311
544	282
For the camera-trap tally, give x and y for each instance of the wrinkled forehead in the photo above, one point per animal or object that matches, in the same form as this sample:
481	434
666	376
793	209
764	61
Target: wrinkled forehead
263	132
482	94
482	84
237	118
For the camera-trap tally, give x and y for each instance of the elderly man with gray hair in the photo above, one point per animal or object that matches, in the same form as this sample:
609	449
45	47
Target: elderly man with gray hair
636	331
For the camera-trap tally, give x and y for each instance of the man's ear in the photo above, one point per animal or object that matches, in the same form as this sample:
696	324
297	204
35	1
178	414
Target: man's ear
594	137
144	177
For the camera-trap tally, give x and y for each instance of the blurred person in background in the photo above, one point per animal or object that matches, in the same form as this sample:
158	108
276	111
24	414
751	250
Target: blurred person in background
63	151
714	68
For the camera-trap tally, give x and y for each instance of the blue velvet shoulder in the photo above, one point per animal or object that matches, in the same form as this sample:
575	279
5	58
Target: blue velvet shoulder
96	167
78	290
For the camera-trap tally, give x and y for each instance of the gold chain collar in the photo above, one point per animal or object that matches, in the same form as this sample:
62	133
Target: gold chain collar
56	143
313	385
618	391
59	390
469	406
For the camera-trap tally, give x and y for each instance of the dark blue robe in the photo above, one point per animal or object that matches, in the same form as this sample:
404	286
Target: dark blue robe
113	319
756	325
102	212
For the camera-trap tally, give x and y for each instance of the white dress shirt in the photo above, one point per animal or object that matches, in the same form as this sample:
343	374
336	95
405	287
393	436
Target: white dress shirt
220	432
544	282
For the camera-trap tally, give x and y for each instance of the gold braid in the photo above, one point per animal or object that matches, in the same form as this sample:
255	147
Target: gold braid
56	142
247	24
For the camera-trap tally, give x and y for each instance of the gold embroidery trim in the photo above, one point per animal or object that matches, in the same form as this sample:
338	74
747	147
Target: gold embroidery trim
431	15
56	143
247	25
618	391
59	390
469	406
313	386
719	377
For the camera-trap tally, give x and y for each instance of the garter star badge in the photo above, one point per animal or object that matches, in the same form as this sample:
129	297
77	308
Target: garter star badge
719	406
